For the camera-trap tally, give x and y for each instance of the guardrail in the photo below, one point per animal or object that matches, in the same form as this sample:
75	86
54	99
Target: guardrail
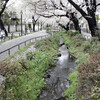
19	46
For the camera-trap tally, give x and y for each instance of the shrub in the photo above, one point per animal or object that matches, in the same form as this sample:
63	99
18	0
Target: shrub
46	44
78	40
24	78
94	40
82	49
81	57
79	37
86	46
71	33
70	92
89	79
29	55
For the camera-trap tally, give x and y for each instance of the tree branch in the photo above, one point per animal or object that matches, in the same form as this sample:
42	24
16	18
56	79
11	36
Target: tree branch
98	4
4	6
94	6
78	8
37	19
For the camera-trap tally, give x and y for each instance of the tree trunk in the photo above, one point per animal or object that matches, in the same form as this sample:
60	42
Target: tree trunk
8	28
2	27
92	27
65	27
76	22
33	27
76	25
90	17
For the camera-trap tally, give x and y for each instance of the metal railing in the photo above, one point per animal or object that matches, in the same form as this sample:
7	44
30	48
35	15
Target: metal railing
25	43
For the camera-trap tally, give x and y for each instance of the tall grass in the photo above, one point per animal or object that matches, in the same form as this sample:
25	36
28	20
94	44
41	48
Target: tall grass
24	78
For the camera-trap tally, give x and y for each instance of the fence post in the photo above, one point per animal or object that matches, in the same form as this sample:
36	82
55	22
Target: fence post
9	52
18	46
25	43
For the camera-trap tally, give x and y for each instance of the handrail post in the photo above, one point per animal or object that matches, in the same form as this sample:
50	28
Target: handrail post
25	43
18	46
9	52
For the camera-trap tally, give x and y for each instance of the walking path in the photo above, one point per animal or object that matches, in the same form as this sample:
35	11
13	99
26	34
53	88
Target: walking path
4	46
86	35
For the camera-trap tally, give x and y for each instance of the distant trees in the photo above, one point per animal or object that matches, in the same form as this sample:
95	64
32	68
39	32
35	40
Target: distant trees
89	14
3	6
32	8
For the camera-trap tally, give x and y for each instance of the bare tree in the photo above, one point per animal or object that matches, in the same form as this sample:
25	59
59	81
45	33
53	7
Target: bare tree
89	14
1	12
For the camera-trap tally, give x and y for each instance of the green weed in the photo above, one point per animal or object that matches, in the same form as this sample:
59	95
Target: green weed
24	78
82	49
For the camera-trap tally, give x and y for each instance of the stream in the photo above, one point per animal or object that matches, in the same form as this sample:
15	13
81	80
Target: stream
57	79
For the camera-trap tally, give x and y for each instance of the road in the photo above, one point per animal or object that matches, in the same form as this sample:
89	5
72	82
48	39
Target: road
4	46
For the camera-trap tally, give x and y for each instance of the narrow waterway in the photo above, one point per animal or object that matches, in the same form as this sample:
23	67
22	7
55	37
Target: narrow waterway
57	78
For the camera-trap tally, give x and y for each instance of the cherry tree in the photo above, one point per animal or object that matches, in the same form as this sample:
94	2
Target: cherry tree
3	7
88	13
49	8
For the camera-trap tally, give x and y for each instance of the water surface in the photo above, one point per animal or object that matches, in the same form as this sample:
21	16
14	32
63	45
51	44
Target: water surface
57	80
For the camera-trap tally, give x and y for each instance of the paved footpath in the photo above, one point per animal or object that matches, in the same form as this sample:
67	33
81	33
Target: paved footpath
4	46
86	35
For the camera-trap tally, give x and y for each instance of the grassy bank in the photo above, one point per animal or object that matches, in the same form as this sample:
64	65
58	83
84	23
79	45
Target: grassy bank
24	78
86	77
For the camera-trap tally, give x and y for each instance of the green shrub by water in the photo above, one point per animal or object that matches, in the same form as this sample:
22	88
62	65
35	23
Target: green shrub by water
70	92
89	79
82	49
24	78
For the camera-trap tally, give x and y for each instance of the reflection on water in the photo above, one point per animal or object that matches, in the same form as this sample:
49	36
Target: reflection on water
58	82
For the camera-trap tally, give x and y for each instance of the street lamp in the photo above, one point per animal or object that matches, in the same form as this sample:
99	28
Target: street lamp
38	25
21	22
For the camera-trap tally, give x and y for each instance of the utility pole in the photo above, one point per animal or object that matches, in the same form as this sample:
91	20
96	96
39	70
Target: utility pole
69	20
21	23
33	20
